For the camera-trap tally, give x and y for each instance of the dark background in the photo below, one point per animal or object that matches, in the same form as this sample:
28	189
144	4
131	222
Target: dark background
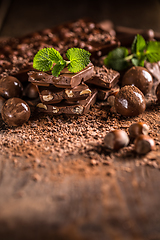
24	17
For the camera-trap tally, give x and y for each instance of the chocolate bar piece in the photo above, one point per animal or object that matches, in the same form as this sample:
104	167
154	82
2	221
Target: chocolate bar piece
79	108
65	80
104	77
52	94
126	35
103	94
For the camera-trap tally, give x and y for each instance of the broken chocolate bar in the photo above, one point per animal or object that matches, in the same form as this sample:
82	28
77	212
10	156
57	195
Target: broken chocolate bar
78	108
104	77
103	94
65	80
51	94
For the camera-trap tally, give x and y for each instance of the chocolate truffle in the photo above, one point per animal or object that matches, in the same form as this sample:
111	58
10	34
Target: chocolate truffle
15	112
139	77
10	87
130	101
31	91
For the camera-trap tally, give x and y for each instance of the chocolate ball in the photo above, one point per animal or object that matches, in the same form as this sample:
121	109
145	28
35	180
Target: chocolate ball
15	112
139	77
31	91
158	92
10	87
130	101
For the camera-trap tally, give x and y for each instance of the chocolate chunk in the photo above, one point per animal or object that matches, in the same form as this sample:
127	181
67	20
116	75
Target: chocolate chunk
103	77
78	108
65	80
15	112
126	35
51	94
2	101
103	94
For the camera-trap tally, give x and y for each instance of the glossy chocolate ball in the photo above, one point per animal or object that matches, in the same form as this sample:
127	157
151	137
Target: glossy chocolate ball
130	101
15	112
139	77
31	91
10	87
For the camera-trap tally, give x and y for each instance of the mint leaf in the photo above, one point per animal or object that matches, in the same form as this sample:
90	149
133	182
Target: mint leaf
153	51
79	59
58	68
141	43
116	59
45	58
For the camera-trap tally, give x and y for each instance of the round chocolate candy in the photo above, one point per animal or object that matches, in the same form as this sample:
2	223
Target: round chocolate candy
31	91
130	101
10	87
139	77
15	112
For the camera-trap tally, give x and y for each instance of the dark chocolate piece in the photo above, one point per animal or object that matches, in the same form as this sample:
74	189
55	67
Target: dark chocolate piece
2	101
65	80
103	94
78	108
51	94
15	112
105	78
126	35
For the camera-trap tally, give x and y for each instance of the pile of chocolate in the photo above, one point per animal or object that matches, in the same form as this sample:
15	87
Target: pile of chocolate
22	87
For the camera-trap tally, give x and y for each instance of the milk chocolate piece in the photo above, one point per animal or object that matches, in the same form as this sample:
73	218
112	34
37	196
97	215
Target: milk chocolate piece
65	80
51	94
78	108
104	77
103	94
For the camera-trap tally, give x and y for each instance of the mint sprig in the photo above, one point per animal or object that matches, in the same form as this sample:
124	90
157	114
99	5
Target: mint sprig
48	59
141	51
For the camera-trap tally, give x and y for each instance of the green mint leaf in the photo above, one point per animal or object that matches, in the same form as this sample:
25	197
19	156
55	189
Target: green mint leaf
45	58
79	59
138	45
58	68
153	51
138	62
116	59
